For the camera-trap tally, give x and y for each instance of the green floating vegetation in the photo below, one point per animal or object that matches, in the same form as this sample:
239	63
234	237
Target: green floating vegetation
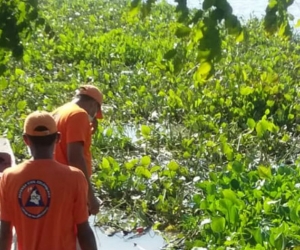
204	153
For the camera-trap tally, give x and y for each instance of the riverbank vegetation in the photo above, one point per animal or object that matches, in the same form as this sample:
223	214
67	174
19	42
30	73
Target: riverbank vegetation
212	160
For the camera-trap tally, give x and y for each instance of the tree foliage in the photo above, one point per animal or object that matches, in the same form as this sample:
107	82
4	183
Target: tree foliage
202	27
17	19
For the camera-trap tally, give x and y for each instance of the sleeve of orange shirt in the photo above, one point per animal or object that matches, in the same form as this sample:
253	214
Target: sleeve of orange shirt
4	202
80	210
77	127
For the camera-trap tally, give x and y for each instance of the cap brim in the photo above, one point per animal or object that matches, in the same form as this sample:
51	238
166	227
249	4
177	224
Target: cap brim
99	115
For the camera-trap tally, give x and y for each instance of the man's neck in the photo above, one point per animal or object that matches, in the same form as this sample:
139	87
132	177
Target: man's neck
80	104
42	157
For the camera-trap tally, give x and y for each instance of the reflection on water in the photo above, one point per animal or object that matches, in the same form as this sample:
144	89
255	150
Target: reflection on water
149	241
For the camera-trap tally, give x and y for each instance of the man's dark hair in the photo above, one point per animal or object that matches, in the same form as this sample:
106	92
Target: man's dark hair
42	141
86	98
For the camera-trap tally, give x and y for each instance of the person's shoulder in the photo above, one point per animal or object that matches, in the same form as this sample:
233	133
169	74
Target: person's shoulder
75	170
77	173
68	168
73	110
14	170
69	108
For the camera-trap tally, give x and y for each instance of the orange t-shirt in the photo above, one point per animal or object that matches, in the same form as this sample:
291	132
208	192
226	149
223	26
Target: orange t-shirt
44	200
74	125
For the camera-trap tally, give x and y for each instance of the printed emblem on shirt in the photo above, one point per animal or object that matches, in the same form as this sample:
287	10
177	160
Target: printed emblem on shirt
34	198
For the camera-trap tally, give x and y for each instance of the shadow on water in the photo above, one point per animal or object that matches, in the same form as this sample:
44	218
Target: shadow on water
148	241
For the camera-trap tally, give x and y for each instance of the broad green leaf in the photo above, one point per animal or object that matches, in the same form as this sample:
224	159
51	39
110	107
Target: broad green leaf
235	185
261	127
131	164
145	130
105	163
233	215
267	207
257	235
21	105
147	173
26	58
270	103
245	76
155	169
272	4
218	224
285	138
213	176
204	68
228	151
140	171
238	167
288	97
186	155
280	241
240	37
3	83
173	165
246	90
135	8
230	195
63	38
267	111
49	66
282	29
251	123
170	54
291	116
19	72
145	161
109	132
224	206
264	172
210	144
182	31
129	103
297	24
197	35
259	130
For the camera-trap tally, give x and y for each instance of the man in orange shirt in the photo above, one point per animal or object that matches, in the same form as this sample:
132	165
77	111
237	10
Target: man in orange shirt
43	199
76	121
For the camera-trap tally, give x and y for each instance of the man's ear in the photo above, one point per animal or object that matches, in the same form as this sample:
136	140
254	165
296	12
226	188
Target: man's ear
58	137
26	139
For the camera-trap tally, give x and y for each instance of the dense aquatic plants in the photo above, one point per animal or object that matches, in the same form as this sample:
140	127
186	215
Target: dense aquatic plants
254	209
172	148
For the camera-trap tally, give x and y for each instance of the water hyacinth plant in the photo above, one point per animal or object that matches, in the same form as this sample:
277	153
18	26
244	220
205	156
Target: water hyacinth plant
205	153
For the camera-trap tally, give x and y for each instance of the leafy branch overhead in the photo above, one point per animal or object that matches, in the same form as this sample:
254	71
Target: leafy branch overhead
17	20
202	27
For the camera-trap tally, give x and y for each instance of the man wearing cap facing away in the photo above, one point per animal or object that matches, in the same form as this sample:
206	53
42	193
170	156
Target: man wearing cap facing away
75	121
43	199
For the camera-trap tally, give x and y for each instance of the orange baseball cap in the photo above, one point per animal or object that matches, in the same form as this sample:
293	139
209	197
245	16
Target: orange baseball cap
39	119
95	93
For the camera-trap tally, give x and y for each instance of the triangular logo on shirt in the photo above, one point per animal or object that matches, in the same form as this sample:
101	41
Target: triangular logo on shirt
34	199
